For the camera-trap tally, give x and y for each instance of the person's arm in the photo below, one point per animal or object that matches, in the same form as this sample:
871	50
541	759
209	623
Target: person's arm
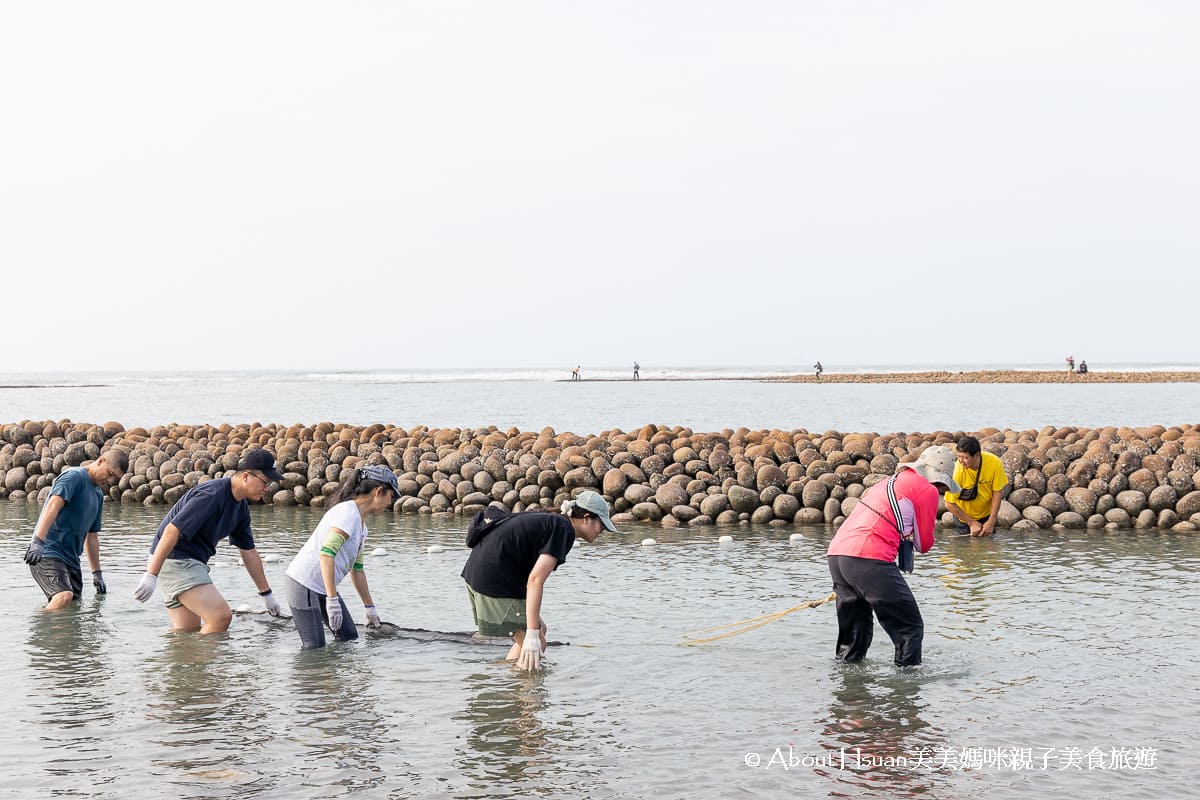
333	544
166	543
254	566
534	588
964	518
533	641
49	513
91	546
359	579
989	525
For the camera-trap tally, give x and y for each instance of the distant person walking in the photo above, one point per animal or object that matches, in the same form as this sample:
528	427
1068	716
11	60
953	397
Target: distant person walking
69	524
1070	363
636	368
818	369
575	374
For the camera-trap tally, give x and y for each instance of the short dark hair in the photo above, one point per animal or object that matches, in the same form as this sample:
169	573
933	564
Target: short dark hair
118	459
968	445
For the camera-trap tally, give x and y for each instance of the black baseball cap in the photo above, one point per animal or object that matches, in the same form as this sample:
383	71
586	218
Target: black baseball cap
261	460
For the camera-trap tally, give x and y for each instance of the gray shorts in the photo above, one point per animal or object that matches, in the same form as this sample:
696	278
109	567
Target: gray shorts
54	576
178	575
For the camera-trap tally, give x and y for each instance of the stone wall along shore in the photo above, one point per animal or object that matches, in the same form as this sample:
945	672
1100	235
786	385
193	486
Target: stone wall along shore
1062	478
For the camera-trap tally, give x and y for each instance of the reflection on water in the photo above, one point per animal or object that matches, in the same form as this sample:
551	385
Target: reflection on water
876	718
70	703
505	741
196	690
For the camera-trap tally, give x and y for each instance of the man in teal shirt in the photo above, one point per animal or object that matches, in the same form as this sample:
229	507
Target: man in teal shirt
70	521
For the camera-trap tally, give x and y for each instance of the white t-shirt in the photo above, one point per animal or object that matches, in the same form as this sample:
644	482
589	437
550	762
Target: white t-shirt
305	568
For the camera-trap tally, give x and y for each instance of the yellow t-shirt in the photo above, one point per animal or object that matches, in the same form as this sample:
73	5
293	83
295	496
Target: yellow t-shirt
992	479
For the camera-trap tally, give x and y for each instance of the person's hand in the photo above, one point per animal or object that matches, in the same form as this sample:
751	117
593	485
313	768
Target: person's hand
333	610
373	620
35	551
98	582
530	659
270	602
988	528
145	588
976	528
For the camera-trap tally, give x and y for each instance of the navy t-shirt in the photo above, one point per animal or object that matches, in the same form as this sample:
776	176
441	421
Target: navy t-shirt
204	516
499	566
77	518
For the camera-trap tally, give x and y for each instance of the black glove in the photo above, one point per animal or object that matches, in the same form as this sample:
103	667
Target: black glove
35	550
98	582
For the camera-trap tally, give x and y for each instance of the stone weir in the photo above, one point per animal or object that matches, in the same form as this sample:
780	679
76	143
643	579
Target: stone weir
1067	477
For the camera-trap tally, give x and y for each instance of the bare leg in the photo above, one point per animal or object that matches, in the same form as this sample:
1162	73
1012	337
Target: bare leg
59	601
519	638
203	608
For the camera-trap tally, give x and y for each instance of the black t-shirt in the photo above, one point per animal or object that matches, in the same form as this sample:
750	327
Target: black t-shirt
499	566
206	515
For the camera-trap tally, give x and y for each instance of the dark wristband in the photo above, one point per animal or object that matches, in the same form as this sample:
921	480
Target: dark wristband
264	594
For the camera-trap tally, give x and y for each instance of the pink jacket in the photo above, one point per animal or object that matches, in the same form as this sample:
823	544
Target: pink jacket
865	534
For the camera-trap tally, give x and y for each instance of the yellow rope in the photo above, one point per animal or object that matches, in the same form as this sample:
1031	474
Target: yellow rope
745	625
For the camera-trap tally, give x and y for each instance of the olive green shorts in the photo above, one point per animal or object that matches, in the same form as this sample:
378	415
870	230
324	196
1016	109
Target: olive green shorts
497	616
178	575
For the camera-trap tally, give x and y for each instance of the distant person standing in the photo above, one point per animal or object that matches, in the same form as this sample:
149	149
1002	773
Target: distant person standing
1070	363
636	368
818	369
1083	367
187	538
982	479
68	525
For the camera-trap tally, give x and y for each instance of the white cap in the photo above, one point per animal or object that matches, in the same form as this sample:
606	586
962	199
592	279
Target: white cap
936	465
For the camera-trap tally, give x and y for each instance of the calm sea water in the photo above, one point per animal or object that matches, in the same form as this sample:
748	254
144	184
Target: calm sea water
533	399
1062	665
1055	664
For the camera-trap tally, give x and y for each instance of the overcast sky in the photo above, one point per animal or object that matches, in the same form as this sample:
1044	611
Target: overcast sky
411	185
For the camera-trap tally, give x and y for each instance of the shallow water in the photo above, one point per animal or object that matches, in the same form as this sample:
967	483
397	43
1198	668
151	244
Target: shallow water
1035	642
363	398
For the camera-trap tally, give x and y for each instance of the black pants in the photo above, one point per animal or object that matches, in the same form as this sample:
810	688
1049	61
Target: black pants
962	527
864	585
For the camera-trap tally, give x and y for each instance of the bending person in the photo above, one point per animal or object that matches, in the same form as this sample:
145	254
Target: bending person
862	557
334	550
981	478
187	538
70	524
507	570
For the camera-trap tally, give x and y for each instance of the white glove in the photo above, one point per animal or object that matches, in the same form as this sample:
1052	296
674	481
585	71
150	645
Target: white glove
270	602
145	588
530	659
373	620
333	610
